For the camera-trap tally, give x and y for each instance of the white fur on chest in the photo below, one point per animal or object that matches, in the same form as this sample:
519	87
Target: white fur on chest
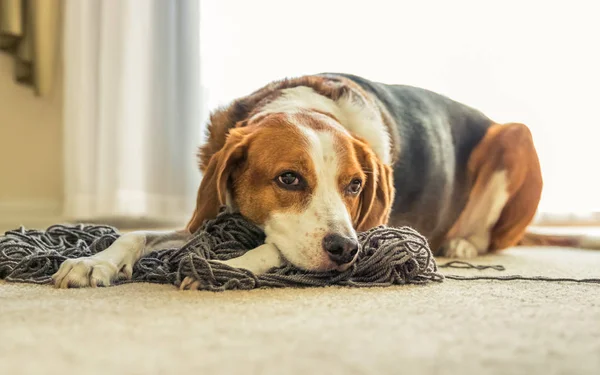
354	114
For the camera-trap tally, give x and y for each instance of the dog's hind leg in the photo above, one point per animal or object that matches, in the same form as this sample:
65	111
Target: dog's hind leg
507	185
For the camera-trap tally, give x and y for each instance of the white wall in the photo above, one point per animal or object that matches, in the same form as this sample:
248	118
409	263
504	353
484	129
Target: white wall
530	61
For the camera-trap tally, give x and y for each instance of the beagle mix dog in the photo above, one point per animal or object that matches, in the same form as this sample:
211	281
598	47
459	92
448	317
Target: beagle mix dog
314	159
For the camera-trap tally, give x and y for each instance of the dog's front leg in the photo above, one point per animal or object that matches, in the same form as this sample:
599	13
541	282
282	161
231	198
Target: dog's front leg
258	261
103	268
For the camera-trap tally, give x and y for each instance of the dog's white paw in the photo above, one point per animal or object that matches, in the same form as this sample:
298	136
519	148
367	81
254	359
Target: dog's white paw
460	248
87	271
189	283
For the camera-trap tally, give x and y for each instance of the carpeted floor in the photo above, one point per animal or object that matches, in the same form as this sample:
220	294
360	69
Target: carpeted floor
458	327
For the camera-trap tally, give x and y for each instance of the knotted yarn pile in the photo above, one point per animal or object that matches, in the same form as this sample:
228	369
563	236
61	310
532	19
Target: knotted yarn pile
388	256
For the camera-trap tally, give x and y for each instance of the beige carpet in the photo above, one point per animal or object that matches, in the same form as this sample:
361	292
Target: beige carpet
458	327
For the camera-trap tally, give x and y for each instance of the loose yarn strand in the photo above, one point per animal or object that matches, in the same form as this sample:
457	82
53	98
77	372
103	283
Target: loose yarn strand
497	267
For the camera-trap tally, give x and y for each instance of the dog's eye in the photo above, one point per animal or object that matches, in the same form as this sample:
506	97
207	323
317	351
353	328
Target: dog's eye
354	187
290	180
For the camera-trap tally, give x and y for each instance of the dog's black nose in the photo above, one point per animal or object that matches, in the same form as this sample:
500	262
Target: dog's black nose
340	249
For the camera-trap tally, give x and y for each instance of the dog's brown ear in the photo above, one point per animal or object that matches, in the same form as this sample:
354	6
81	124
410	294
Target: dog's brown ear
212	193
377	196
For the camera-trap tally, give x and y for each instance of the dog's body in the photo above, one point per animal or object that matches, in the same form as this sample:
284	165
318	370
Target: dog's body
315	158
452	160
434	138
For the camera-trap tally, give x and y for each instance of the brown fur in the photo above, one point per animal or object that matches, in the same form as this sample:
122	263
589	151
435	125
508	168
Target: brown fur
256	184
239	111
246	166
525	187
378	192
213	187
506	147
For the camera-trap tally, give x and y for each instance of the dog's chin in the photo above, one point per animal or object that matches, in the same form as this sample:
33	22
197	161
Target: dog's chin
326	266
315	262
344	267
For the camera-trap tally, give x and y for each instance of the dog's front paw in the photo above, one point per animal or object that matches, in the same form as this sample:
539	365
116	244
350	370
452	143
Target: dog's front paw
460	248
189	283
85	272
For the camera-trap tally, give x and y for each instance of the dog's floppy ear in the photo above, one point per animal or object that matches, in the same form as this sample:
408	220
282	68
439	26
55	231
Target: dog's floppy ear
212	193
377	196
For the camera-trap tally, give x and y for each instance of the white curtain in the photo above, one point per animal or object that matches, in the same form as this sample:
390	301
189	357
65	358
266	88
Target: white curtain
133	108
530	61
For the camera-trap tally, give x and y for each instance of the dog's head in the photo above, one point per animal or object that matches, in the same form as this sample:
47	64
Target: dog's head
305	180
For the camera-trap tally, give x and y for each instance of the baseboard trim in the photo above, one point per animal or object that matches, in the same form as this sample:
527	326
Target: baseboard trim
40	214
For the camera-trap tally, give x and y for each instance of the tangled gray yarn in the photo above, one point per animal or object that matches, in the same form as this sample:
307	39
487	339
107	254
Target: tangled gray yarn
388	256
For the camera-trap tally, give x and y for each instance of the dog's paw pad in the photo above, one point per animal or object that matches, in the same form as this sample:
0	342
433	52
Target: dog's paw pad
460	248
